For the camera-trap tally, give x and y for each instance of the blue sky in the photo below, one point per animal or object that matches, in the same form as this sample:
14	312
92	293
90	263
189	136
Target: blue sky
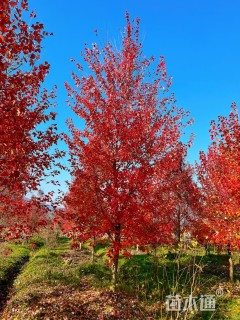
200	40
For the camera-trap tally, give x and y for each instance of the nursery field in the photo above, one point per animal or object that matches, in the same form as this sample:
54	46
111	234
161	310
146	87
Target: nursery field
119	198
51	280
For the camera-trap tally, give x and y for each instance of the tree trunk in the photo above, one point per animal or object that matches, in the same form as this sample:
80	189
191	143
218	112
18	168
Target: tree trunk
93	249
229	251
230	269
207	248
92	255
115	272
155	250
117	242
179	225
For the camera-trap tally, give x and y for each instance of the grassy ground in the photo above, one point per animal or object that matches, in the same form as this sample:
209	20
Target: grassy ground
60	283
12	257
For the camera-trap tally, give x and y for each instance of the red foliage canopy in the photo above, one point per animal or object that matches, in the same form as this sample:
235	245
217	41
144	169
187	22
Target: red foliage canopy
24	147
219	175
130	145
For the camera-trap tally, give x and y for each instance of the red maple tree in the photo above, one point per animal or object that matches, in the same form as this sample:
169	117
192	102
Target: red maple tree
24	148
122	158
219	176
187	196
178	197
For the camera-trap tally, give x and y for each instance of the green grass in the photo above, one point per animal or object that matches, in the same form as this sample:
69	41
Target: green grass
37	241
144	276
100	274
152	279
46	269
12	256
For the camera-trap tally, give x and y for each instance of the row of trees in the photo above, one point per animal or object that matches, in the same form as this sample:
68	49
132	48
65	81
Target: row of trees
130	179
